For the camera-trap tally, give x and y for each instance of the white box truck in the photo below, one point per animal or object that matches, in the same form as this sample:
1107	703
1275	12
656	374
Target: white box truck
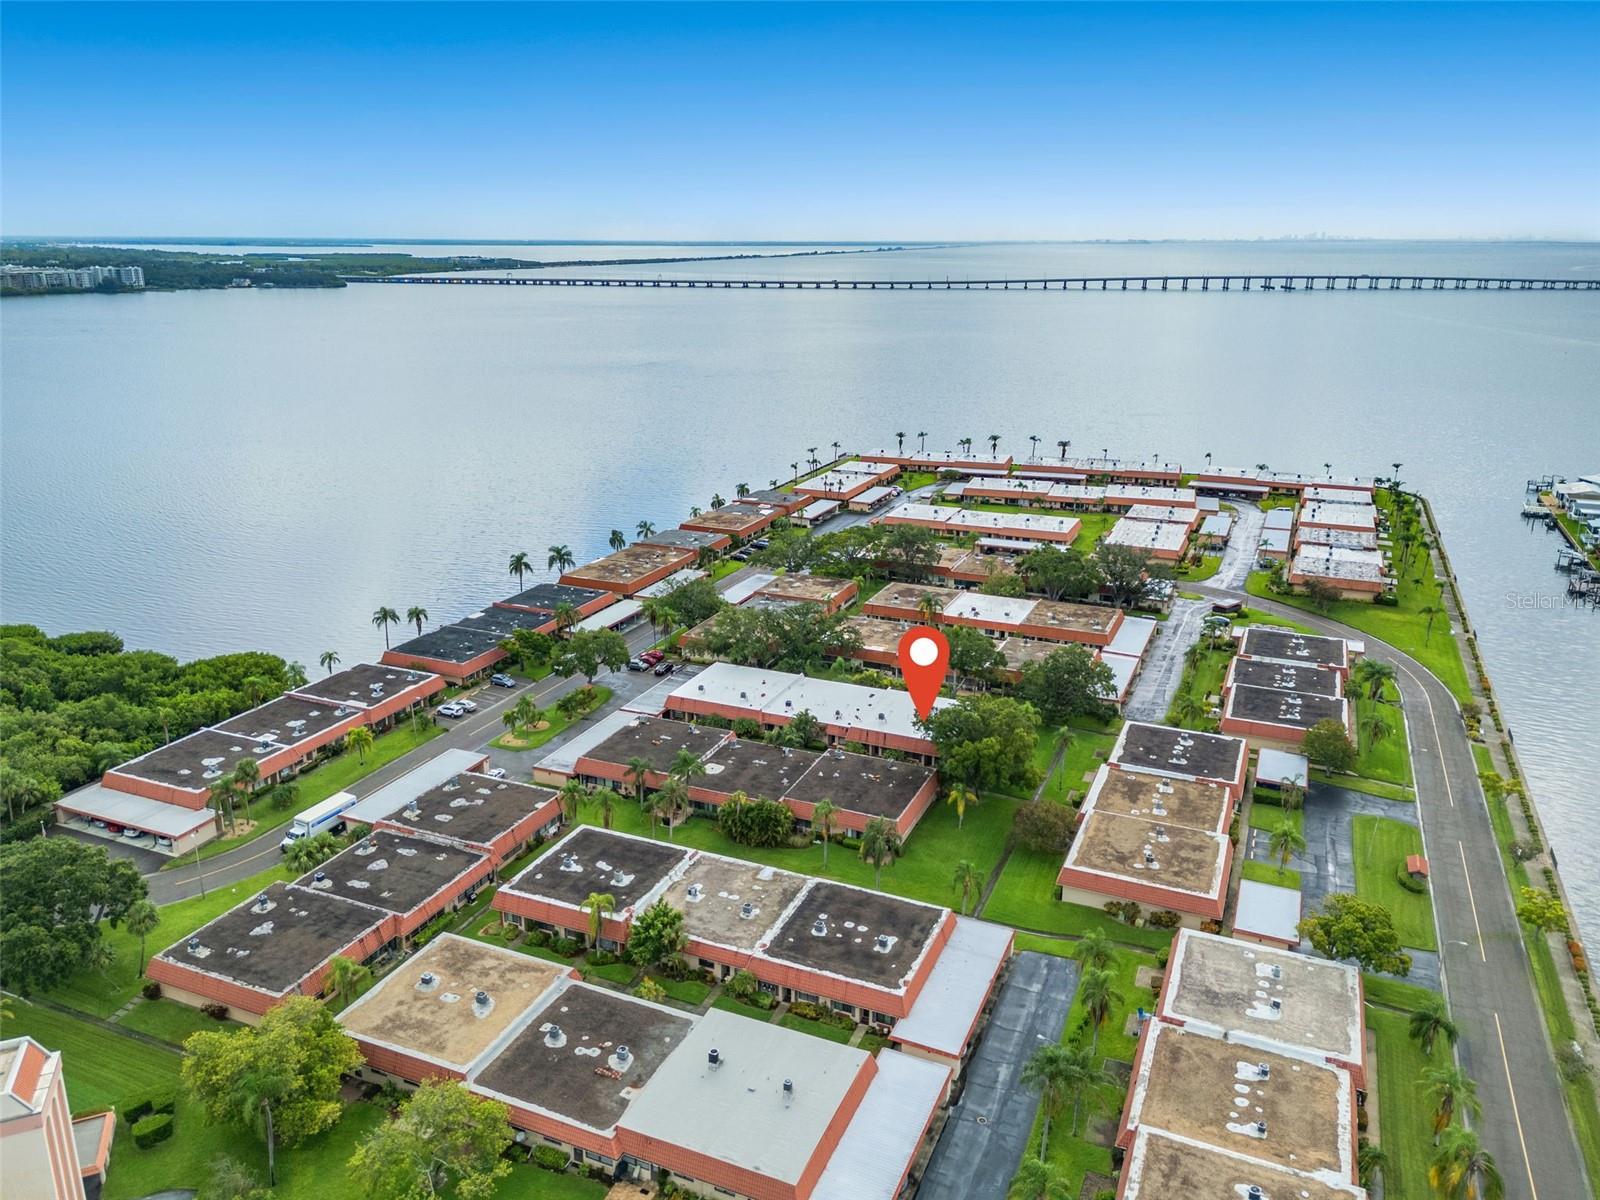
326	816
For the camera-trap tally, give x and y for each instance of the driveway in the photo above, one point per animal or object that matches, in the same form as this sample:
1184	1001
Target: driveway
988	1129
1163	664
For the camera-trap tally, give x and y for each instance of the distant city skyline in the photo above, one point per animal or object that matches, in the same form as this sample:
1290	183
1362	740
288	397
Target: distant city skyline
817	123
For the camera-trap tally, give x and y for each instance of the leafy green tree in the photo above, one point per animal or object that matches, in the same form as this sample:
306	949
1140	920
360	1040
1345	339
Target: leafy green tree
597	906
880	844
445	1141
805	731
1348	927
529	647
1328	745
1043	826
1371	1162
973	656
1124	571
1541	909
1069	682
229	1179
53	894
285	1071
657	934
589	651
1463	1170
141	920
985	741
1431	1022
1060	574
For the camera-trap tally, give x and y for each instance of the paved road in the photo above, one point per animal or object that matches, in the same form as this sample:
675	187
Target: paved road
1163	663
988	1129
1486	973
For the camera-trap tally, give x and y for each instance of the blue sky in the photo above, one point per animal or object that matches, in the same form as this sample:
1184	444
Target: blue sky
905	121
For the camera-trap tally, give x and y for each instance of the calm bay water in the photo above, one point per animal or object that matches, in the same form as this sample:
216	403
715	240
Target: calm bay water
212	471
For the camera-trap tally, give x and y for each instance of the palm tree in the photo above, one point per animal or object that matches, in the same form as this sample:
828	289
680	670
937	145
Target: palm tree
295	674
1464	1170
813	460
346	978
637	775
1286	841
686	766
899	443
1098	997
382	618
716	500
1094	950
328	659
520	566
880	843
670	802
930	607
573	794
566	616
741	490
605	800
221	793
645	529
526	711
968	879
1453	1092
416	614
141	920
1371	1162
922	440
1046	1072
994	443
597	906
1374	674
960	796
1429	611
1292	793
835	446
359	739
823	813
694	511
246	774
617	540
560	558
1034	438
1431	1022
1038	1180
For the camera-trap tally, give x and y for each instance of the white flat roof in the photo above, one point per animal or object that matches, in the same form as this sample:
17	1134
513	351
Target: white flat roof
818	509
1152	495
1278	518
996	610
1148	535
877	1149
653	702
1132	636
1268	910
120	808
1275	539
948	1006
612	615
564	758
781	694
1033	522
1217	525
1361	516
736	1112
1280	766
1336	562
1122	671
395	795
743	588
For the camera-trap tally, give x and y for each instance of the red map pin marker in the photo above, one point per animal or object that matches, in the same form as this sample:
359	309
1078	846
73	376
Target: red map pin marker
924	660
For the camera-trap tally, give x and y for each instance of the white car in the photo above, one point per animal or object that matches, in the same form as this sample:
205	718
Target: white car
496	772
466	705
452	709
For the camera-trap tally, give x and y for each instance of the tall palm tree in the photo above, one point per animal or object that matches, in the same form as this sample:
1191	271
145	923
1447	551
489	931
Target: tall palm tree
741	490
346	978
1292	793
1286	841
1046	1072
520	565
573	794
994	443
930	608
645	529
605	801
1371	1162
716	500
899	443
968	879
823	813
960	797
694	511
670	802
1430	611
1094	950
382	618
922	440
1453	1092
1063	445
141	920
1099	997
1034	438
1464	1170
835	446
1431	1022
560	558
359	739
328	659
1038	1180
566	616
246	775
416	614
597	906
617	540
880	843
1373	674
686	766
636	775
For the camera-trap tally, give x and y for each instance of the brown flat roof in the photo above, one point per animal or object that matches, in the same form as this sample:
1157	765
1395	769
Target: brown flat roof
1188	860
1209	1090
1187	802
442	1019
599	860
1287	677
658	742
1162	1168
759	770
631	563
878	633
1061	614
862	783
732	902
813	589
836	928
733	518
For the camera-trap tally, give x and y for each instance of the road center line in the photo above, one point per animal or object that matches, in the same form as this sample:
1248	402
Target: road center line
1465	874
1527	1163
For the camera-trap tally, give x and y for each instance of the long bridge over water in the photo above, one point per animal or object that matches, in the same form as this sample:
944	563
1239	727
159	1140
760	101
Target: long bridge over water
1276	282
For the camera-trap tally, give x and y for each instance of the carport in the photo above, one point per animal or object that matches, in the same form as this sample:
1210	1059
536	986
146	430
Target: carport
987	1132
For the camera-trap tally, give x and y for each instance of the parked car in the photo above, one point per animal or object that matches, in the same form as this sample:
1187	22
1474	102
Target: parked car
740	556
651	657
501	679
761	543
98	823
496	772
666	668
638	664
466	705
164	842
133	835
452	709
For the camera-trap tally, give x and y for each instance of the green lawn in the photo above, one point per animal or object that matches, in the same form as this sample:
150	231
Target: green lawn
821	1029
1389	791
923	873
555	722
532	1183
729	1004
1262	872
1208	566
1086	751
1392	993
1202	679
1269	816
1405	1119
621	973
102	993
1387	759
169	1020
686	991
104	1069
1024	897
317	784
1381	847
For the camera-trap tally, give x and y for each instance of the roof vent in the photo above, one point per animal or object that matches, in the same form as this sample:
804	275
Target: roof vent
695	891
1277	1004
194	944
621	1058
714	1057
1255	1192
263	902
1261	1128
319	877
1277	971
819	928
1264	1070
554	1037
788	1090
481	997
1149	856
882	943
747	910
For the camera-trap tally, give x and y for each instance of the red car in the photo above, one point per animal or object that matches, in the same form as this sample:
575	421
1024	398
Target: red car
652	656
